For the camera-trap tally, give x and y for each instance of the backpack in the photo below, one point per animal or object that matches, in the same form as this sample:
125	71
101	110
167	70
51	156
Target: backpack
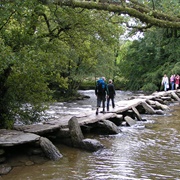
101	86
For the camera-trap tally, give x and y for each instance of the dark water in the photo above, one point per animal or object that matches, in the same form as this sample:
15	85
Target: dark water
148	153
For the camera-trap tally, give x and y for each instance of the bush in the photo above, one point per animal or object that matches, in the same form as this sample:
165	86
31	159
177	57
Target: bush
149	87
86	85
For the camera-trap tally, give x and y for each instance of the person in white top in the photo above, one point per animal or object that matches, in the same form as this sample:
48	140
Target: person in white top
165	82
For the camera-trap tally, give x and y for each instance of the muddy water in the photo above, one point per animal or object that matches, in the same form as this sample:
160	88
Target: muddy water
146	153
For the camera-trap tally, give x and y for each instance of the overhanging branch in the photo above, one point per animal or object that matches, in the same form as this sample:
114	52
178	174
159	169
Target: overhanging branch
143	13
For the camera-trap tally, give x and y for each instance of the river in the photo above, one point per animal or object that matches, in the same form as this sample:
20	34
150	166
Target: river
150	153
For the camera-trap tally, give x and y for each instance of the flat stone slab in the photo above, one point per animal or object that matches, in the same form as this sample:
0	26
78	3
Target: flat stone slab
13	137
130	121
125	105
38	128
95	118
83	119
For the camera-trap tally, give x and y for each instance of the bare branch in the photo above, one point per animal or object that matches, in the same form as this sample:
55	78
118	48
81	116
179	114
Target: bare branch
7	20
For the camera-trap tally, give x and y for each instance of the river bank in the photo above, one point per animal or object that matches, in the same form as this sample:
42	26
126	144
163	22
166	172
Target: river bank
120	105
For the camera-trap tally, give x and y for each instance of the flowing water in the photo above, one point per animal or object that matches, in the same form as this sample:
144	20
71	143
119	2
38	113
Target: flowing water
146	153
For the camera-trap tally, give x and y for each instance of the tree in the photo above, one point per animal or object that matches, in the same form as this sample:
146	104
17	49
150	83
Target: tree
146	60
160	13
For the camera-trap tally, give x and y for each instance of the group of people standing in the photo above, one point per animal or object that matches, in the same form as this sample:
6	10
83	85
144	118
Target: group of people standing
104	91
174	82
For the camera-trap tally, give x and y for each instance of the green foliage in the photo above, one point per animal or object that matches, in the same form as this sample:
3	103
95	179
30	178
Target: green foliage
87	84
149	87
146	60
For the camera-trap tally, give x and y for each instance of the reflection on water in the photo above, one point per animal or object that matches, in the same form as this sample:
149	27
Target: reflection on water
148	153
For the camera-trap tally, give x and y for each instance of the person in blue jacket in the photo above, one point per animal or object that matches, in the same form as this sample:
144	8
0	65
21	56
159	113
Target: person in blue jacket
101	91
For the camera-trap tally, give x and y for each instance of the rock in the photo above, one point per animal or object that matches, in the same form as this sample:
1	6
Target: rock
5	169
63	133
129	113
91	144
158	105
160	112
13	137
164	98
2	159
117	120
159	100
75	132
108	127
138	116
148	108
39	129
130	121
49	149
2	152
162	106
175	96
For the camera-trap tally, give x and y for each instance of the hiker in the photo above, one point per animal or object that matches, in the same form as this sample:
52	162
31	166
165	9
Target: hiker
165	82
172	81
177	81
101	91
112	94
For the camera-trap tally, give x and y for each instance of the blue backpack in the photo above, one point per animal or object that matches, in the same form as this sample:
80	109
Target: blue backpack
101	86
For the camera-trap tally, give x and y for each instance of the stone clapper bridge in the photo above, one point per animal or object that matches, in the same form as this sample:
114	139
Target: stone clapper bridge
70	130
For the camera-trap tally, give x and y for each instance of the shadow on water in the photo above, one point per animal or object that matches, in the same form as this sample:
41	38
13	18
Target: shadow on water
152	152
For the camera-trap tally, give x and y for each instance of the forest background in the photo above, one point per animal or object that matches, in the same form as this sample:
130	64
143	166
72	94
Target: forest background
50	49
